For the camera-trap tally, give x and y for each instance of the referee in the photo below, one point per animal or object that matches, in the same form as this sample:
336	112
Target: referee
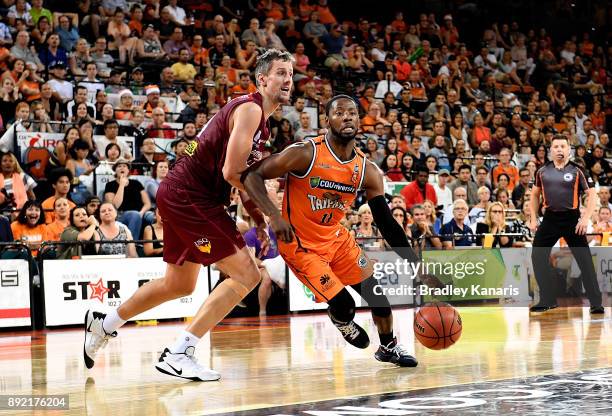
561	183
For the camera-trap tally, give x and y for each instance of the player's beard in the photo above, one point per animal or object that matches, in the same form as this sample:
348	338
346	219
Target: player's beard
344	138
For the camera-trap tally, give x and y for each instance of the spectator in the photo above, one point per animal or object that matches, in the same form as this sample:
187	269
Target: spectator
16	187
155	232
79	166
9	97
480	132
478	212
440	152
111	132
110	229
22	50
421	230
102	59
92	204
494	223
465	181
54	53
444	193
61	212
455	226
129	198
149	48
254	34
183	70
305	131
159	128
271	265
145	164
603	225
82	228
436	111
400	215
30	226
68	34
519	190
419	190
366	233
331	45
159	174
58	84
175	44
244	86
80	97
391	169
60	181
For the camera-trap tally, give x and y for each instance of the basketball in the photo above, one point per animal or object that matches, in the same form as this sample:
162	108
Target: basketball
437	325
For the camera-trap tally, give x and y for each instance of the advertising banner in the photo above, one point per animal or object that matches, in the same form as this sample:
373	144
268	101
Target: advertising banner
73	286
14	294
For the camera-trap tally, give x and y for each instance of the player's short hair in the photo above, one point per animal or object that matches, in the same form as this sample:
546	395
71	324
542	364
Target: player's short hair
335	98
264	62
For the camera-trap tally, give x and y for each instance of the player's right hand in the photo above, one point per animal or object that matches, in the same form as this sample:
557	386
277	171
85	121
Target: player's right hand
281	228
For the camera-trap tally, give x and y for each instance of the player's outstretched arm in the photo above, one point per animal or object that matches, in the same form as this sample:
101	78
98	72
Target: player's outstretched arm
295	158
391	231
246	120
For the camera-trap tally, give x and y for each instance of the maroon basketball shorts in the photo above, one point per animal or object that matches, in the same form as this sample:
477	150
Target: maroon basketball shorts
195	228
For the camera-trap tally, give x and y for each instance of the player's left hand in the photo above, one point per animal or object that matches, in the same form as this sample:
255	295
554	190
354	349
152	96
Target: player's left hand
282	229
582	226
264	239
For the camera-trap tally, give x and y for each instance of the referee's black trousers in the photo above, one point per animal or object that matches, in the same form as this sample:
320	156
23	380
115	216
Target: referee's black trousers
554	226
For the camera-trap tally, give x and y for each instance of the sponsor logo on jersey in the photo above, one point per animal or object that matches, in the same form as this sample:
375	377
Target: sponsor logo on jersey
317	182
329	201
191	148
568	177
203	244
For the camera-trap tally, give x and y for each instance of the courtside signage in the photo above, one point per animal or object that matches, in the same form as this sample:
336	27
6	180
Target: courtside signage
14	294
73	286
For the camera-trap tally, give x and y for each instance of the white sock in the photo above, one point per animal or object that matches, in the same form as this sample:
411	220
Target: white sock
184	341
112	322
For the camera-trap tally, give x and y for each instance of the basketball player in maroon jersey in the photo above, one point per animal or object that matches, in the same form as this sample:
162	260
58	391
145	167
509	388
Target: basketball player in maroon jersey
197	230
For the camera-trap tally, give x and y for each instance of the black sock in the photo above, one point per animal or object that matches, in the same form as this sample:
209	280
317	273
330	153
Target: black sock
386	339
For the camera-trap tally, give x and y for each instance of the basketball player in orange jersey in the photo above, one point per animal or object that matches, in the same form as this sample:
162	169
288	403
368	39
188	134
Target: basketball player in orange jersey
197	229
323	177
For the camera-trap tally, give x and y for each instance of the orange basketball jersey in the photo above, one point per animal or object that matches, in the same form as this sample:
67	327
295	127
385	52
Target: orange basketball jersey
315	203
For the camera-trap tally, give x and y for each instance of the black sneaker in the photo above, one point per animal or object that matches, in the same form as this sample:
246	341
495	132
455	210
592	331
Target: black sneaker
396	354
539	308
352	333
596	310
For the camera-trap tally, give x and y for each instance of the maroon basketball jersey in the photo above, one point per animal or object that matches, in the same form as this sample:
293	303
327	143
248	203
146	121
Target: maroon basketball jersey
201	170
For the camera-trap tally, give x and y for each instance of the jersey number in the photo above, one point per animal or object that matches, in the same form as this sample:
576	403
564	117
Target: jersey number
327	218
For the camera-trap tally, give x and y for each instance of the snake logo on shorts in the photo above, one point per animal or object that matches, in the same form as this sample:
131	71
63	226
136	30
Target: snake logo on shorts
203	244
362	262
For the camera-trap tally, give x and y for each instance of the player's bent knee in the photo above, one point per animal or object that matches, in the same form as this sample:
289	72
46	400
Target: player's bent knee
238	287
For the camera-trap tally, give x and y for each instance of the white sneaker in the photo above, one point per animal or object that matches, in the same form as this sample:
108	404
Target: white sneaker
95	336
185	365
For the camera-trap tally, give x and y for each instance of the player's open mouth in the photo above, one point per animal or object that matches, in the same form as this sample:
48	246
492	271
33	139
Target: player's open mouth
285	89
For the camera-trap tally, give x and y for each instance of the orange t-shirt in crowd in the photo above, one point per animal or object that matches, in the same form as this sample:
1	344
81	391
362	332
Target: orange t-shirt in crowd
511	171
325	15
602	228
481	134
33	85
35	235
48	206
238	90
399	25
200	55
55	230
368	123
232	74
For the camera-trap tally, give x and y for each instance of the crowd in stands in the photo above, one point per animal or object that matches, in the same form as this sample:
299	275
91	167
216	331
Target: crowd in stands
117	90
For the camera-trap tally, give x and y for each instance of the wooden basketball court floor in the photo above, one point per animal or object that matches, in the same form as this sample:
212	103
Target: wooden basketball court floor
557	363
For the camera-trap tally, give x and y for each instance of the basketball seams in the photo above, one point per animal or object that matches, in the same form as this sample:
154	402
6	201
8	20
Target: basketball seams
442	323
